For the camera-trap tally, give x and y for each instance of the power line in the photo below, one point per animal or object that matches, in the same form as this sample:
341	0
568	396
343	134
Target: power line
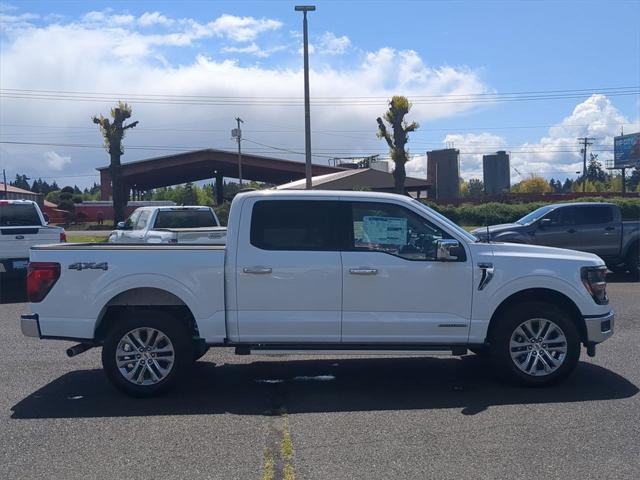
295	102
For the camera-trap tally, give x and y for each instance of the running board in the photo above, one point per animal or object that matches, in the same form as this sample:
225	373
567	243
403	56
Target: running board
350	350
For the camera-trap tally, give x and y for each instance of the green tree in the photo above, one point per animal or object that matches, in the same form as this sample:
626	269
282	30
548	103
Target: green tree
399	107
475	188
113	132
595	173
21	181
533	184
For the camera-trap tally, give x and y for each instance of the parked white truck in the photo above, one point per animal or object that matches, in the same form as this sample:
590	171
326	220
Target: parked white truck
22	225
321	272
185	224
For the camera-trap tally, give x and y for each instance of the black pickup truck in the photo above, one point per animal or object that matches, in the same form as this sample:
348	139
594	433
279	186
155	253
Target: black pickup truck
589	227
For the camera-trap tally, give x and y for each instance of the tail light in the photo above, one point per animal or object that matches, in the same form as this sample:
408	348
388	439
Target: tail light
41	277
63	237
594	279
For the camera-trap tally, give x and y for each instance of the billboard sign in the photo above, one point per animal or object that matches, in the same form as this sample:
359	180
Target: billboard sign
626	150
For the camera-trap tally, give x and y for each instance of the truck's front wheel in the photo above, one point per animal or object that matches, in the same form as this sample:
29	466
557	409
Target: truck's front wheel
535	344
146	355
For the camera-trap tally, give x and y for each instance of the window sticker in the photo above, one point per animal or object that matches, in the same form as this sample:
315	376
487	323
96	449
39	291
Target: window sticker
384	230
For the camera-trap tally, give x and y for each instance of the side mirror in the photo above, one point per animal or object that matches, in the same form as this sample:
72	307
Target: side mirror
121	226
544	223
448	250
46	218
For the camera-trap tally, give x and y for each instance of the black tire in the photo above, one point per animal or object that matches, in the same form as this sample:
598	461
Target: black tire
506	327
180	359
633	261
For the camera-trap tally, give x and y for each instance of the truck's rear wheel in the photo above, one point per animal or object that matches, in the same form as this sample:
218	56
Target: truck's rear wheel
146	355
535	344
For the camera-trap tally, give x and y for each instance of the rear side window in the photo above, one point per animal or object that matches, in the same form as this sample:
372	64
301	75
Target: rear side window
586	215
185	219
598	214
13	214
297	225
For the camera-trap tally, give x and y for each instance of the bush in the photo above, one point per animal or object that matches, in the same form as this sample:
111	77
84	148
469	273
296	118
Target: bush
493	213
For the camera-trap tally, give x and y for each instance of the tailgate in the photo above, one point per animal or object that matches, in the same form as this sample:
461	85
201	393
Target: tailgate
15	242
205	235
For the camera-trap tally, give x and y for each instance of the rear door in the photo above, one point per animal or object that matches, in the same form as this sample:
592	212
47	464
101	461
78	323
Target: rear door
289	271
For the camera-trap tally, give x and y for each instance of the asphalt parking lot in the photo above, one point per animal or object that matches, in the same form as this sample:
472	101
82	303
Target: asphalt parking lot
320	418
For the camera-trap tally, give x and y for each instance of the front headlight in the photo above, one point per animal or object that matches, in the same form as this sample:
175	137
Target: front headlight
594	279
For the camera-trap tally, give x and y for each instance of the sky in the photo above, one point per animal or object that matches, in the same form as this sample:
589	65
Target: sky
529	77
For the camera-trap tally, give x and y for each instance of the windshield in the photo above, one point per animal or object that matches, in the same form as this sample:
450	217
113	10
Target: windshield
185	219
13	214
535	215
459	230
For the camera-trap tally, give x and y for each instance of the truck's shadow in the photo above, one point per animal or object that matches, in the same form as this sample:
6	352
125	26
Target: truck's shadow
263	388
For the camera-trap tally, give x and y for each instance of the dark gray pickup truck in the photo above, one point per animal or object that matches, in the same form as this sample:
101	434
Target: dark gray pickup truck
589	227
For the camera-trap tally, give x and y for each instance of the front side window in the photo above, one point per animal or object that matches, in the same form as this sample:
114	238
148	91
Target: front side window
133	219
296	225
142	220
389	228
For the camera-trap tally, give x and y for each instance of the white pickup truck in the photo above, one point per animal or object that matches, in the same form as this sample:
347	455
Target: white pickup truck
22	225
321	272
186	224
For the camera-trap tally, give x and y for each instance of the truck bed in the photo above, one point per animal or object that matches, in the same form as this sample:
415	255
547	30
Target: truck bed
93	275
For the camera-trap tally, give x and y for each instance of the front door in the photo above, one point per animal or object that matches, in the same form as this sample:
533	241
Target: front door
394	289
289	272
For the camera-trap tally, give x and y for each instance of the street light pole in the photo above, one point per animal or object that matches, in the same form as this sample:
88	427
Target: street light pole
307	110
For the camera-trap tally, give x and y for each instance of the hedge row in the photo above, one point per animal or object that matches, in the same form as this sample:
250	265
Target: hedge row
493	213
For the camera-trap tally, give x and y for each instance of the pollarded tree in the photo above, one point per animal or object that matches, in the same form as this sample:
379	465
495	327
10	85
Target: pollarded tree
113	132
398	107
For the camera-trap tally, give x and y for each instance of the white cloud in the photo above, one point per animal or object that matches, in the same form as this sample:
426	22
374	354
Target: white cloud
55	161
253	49
332	45
242	29
148	19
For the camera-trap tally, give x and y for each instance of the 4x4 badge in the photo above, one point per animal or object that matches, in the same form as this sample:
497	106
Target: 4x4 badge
89	265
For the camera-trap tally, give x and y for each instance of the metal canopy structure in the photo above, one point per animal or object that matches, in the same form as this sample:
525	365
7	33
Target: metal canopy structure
205	164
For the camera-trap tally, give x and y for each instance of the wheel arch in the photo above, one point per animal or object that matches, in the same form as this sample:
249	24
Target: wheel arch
548	295
143	298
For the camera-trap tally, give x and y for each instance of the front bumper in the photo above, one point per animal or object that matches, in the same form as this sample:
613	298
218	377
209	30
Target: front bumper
30	325
599	327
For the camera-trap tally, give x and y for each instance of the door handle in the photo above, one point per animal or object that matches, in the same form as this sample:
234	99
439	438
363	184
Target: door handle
571	230
608	229
257	270
363	271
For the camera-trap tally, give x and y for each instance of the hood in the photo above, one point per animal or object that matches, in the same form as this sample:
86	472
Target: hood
496	228
533	252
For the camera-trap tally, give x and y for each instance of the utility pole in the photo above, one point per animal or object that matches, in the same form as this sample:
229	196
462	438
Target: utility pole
237	133
307	111
4	176
586	142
